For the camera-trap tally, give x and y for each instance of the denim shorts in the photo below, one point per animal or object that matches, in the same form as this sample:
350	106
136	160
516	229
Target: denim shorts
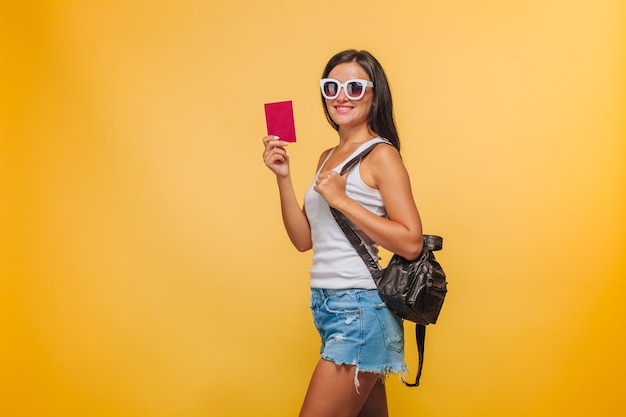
358	329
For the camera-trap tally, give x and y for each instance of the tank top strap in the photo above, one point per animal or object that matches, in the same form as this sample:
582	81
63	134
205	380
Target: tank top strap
360	149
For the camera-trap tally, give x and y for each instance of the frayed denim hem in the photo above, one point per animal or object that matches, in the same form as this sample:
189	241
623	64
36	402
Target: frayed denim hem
383	372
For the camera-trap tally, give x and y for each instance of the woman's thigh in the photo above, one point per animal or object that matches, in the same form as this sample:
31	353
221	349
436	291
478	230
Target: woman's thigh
332	392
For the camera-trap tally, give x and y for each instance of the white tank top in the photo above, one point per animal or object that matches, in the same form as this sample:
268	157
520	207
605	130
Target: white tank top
336	264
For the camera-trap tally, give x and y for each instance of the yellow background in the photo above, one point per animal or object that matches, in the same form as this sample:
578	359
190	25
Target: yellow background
144	267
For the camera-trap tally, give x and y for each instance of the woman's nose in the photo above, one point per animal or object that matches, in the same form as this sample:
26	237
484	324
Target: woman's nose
342	95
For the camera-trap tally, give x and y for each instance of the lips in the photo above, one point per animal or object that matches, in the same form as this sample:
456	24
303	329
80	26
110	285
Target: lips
343	109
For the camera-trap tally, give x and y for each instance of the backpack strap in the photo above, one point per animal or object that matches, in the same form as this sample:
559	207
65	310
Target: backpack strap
420	339
357	242
372	265
352	236
348	165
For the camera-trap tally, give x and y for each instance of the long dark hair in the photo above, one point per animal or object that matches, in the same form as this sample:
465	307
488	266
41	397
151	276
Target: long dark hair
380	120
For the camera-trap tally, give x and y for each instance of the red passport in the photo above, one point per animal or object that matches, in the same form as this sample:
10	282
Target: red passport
279	120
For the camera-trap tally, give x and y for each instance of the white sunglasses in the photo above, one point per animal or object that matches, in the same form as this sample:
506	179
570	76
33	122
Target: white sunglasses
354	89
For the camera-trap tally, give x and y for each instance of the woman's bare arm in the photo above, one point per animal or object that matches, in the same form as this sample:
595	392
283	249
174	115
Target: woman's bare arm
383	169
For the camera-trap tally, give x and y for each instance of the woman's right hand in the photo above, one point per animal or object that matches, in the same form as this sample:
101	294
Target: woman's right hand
275	156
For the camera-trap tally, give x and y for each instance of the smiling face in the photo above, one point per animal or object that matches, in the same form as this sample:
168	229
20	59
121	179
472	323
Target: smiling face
345	112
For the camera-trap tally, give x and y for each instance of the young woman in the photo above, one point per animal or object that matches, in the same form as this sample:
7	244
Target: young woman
362	341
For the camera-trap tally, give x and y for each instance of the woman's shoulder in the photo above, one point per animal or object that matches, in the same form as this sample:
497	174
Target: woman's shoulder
323	157
382	166
325	153
385	151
